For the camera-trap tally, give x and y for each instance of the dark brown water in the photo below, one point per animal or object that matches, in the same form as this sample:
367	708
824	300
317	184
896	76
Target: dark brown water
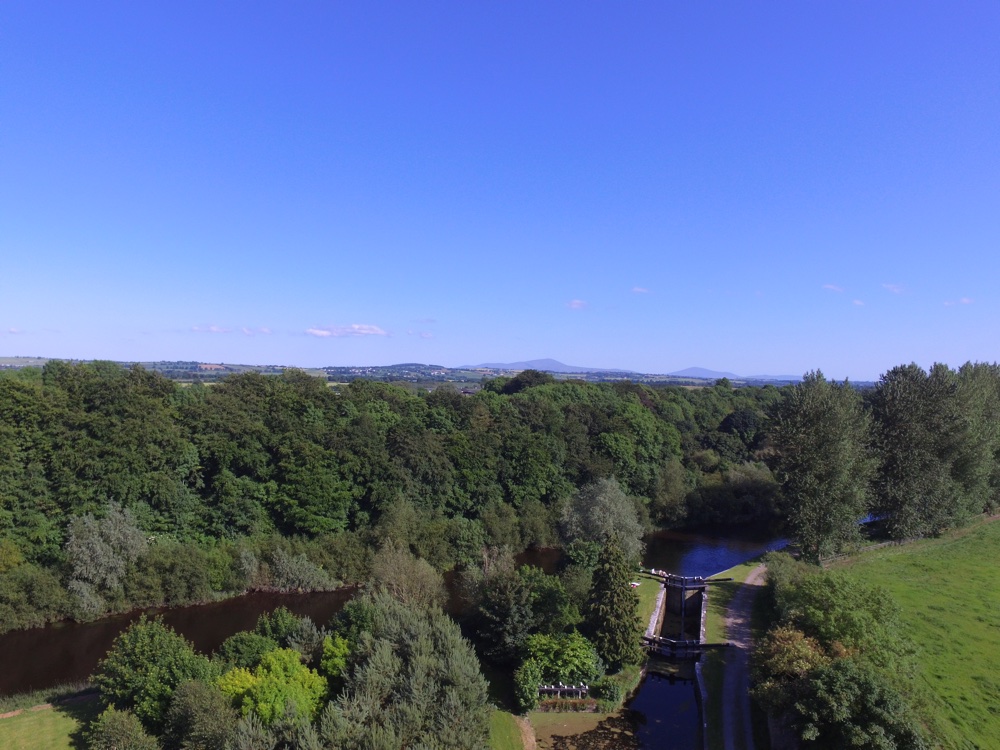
68	651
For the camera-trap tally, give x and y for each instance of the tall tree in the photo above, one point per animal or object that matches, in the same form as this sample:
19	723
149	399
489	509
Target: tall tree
820	435
921	435
612	615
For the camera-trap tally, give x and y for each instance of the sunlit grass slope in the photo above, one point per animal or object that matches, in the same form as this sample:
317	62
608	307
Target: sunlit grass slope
949	592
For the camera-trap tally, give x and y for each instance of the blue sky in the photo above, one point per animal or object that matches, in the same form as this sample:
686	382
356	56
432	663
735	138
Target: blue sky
755	187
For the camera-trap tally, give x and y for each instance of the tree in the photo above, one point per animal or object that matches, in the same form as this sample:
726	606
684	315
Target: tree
921	435
119	730
200	717
602	510
412	681
407	578
851	705
612	615
100	550
280	684
820	434
143	668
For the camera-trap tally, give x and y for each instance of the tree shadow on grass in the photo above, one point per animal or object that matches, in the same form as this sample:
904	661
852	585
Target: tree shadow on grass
83	709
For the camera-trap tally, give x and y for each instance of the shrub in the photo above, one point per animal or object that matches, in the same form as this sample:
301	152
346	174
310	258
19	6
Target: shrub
119	730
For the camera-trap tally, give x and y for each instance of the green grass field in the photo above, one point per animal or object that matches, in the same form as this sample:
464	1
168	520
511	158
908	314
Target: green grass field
504	732
50	729
950	598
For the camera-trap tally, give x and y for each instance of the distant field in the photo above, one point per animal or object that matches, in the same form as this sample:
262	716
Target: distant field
950	597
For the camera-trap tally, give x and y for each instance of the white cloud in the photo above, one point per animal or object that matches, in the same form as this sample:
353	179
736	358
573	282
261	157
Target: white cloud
833	287
894	288
426	335
965	301
859	303
576	304
640	290
210	329
264	331
12	331
355	329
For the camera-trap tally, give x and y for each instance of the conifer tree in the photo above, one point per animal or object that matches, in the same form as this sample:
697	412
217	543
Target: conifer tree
613	609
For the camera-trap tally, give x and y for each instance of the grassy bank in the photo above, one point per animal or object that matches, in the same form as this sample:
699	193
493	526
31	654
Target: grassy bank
950	602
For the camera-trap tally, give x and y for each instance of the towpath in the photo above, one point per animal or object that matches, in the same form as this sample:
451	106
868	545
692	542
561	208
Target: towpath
737	729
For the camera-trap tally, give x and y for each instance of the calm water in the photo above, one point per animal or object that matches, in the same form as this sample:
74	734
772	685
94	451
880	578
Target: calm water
666	714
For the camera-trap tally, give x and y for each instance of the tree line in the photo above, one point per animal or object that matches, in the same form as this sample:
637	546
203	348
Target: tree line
121	488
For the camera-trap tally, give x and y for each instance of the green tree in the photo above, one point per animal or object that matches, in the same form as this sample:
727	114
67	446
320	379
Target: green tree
200	717
851	705
602	510
820	434
143	668
412	681
119	730
280	684
612	615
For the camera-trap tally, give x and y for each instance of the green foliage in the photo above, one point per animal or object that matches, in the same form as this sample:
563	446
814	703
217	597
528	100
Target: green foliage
527	678
119	730
601	511
143	668
244	649
100	550
820	435
851	705
30	596
333	663
612	617
407	578
278	625
412	680
567	657
200	717
280	683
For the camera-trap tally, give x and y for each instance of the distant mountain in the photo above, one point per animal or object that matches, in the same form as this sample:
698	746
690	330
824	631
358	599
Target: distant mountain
701	372
784	378
545	365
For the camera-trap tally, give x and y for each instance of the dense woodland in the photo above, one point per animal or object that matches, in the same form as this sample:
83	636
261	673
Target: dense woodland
120	488
283	482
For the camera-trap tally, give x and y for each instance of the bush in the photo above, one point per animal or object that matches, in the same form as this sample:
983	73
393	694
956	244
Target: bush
297	573
31	596
143	668
119	730
245	649
609	694
200	717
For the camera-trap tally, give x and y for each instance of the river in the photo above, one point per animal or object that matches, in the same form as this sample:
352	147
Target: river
664	713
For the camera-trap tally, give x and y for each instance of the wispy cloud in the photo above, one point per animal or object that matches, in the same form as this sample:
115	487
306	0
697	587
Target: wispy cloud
833	288
355	329
426	335
576	304
962	301
426	321
255	331
640	290
12	331
859	303
210	329
894	288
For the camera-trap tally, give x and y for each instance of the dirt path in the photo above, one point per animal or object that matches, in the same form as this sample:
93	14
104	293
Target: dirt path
736	726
